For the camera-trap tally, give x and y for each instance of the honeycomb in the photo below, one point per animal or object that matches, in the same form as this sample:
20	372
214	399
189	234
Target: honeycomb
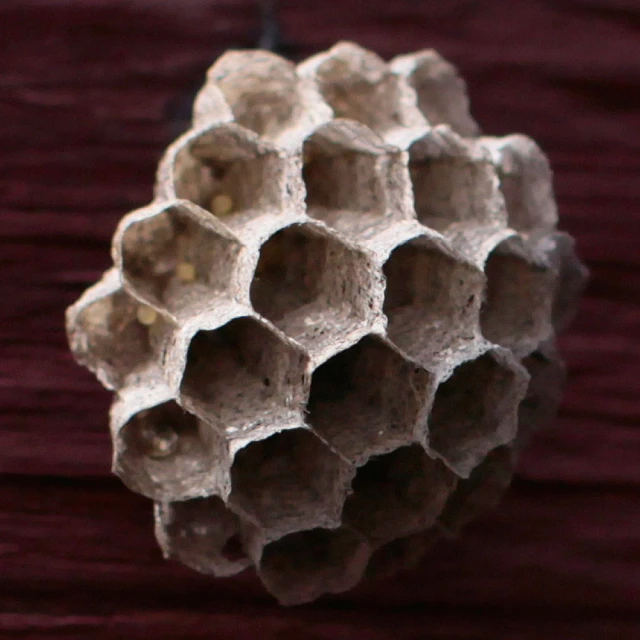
332	331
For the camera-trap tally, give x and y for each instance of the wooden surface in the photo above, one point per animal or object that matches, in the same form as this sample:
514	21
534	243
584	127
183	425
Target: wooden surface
84	94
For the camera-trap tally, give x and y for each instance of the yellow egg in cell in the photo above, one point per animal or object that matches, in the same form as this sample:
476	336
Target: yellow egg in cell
221	204
186	271
146	315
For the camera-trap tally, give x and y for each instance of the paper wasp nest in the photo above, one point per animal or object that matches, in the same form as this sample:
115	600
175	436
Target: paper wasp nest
333	329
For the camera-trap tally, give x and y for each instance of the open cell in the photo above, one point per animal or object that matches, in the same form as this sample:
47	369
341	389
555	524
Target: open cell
481	491
229	172
432	300
108	337
289	481
203	534
544	393
369	400
165	452
401	554
526	182
265	93
313	287
475	410
397	494
176	262
353	183
454	189
305	565
442	94
243	377
359	85
516	312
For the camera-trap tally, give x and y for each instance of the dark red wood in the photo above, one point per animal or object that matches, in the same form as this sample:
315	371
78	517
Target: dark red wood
84	94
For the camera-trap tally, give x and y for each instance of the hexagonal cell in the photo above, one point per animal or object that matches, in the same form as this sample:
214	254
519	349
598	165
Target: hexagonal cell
358	85
354	183
442	93
525	181
203	534
165	453
481	491
544	393
475	410
369	400
177	259
453	187
305	565
242	377
571	281
432	300
516	312
401	554
313	287
266	95
289	481
229	171
397	494
106	335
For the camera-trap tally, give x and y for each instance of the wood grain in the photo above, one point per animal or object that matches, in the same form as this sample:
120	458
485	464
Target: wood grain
86	91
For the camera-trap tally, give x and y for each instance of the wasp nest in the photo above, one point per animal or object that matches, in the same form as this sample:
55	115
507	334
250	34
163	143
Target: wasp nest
333	329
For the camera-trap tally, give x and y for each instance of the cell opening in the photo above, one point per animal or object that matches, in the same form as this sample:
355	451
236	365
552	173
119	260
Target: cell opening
109	333
473	412
263	90
304	565
165	451
368	400
242	377
516	312
453	190
397	494
401	554
432	300
442	94
203	534
311	286
526	184
544	393
289	481
177	263
358	85
481	491
225	171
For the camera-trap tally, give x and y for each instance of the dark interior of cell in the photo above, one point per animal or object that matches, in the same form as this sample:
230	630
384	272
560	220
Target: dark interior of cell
165	450
540	404
304	281
468	411
241	374
450	190
343	188
479	492
401	554
304	565
176	262
289	481
516	312
114	336
367	400
205	535
431	300
397	494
